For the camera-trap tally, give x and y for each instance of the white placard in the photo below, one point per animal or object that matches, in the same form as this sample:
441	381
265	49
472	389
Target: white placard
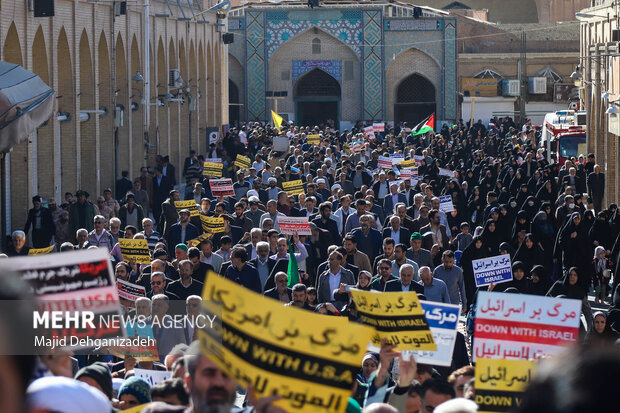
152	377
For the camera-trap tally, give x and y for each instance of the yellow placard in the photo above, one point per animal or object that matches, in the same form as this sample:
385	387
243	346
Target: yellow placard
40	251
260	341
396	316
196	241
135	248
410	163
191	205
479	87
313	139
212	225
243	162
293	187
212	169
500	383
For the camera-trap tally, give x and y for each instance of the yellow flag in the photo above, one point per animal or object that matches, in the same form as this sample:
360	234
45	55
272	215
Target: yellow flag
277	120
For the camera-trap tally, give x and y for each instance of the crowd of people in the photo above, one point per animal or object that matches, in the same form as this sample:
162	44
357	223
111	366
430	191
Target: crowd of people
371	228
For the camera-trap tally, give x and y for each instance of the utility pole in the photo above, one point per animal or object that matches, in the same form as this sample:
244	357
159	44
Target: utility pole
523	83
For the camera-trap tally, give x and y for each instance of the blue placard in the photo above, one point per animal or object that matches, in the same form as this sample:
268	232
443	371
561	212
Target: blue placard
443	321
492	270
440	316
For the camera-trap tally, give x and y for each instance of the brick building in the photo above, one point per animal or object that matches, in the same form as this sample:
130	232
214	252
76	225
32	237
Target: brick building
89	52
600	89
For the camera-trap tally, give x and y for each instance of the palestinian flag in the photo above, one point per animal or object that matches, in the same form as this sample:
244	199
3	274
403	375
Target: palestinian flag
424	127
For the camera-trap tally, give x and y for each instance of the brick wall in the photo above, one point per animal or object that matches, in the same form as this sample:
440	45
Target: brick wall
86	54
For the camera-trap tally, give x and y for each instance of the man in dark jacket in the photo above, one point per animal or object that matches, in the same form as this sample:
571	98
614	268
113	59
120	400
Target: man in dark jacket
123	185
406	282
161	190
280	292
169	214
131	213
325	221
43	227
183	227
596	187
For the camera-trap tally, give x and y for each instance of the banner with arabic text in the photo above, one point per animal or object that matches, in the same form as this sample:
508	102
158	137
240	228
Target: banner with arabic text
137	249
408	164
500	384
443	319
313	139
196	241
212	225
129	293
41	251
397	316
77	284
492	270
212	169
522	326
445	203
190	205
273	347
293	187
242	162
222	187
294	225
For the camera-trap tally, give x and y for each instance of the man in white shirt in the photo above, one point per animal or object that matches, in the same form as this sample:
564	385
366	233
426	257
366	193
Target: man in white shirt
344	211
208	257
283	250
330	279
272	213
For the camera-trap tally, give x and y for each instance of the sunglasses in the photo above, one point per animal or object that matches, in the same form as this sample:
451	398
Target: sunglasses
157	282
386	268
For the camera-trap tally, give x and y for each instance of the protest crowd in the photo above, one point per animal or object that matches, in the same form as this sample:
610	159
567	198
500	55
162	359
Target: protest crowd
310	217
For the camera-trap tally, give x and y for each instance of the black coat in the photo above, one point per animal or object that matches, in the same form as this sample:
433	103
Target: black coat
273	293
274	267
41	238
396	286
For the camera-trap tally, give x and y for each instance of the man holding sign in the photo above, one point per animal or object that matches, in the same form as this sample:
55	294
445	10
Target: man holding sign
182	231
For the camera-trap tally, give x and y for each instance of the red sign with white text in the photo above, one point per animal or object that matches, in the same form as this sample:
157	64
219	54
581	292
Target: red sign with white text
521	327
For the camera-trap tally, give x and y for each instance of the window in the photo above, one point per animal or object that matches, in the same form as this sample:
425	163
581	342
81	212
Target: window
316	46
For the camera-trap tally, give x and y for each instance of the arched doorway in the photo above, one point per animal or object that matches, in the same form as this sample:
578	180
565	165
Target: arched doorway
317	98
233	103
415	99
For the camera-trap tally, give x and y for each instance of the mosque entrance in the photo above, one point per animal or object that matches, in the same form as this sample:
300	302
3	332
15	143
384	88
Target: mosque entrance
317	99
415	100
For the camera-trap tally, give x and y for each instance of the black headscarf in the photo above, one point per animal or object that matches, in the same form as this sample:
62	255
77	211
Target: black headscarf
469	254
522	285
518	227
542	286
529	256
608	336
